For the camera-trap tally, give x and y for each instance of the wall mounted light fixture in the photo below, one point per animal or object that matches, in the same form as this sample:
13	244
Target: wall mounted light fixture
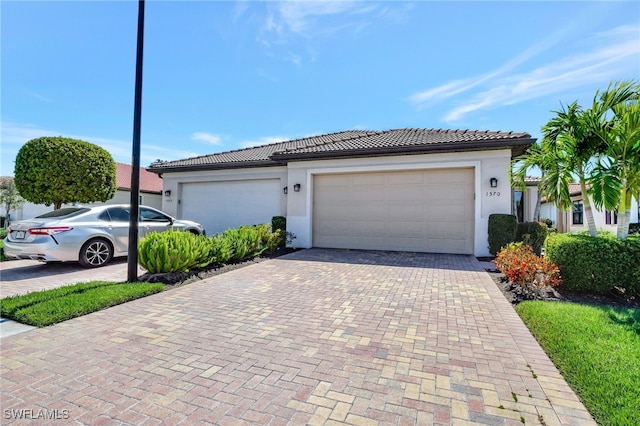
167	193
493	182
285	190
296	187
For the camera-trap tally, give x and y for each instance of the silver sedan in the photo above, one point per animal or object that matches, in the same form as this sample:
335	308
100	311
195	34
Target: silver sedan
90	235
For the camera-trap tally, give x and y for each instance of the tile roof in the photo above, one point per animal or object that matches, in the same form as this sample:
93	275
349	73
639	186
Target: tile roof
149	182
354	143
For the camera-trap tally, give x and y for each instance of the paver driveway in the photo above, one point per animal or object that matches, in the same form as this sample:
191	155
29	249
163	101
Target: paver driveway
315	337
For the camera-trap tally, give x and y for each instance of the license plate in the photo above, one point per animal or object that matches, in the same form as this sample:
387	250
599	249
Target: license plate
20	235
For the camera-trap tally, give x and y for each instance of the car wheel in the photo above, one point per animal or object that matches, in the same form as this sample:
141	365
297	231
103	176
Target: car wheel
95	253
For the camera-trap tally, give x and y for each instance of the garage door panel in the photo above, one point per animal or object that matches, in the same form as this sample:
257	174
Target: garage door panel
405	178
405	213
367	179
229	204
425	210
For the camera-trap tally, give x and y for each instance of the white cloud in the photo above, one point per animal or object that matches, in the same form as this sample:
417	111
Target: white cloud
40	97
207	137
614	53
299	23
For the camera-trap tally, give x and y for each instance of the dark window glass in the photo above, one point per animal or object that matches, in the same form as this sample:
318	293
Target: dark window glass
148	215
578	208
518	205
118	214
611	218
67	211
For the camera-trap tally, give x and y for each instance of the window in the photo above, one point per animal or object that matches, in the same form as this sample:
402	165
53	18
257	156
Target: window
578	208
148	215
118	214
611	218
518	205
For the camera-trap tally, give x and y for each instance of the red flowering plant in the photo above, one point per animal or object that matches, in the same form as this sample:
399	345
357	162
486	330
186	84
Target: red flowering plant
524	269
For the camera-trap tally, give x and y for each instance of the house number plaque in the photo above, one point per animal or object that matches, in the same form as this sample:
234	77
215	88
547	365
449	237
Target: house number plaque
493	193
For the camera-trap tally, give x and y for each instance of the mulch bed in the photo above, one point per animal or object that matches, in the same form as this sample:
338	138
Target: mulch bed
516	295
176	279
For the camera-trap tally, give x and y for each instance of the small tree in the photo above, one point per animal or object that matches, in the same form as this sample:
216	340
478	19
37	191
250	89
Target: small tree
57	170
10	198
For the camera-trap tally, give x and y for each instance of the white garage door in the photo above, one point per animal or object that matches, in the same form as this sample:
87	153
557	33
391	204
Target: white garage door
425	210
229	204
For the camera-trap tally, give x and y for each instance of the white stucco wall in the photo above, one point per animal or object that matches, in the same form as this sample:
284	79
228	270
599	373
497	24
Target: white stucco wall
487	164
174	182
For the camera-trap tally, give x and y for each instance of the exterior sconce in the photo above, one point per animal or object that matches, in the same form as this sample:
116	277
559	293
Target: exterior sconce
285	190
296	187
494	182
167	193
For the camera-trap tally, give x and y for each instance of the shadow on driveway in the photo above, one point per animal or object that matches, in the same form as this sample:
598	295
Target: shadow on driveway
456	262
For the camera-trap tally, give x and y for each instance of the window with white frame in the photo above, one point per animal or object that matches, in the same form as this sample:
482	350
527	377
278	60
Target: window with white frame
578	212
611	217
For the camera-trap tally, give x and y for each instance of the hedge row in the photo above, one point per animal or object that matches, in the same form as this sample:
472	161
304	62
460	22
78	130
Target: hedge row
596	264
504	229
179	251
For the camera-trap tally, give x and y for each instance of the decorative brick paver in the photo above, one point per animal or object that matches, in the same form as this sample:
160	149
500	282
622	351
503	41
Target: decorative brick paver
320	336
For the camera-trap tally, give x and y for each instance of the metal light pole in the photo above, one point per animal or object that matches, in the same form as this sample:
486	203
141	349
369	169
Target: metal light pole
132	263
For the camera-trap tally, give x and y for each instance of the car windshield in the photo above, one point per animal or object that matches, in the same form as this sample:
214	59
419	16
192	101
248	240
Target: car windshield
64	212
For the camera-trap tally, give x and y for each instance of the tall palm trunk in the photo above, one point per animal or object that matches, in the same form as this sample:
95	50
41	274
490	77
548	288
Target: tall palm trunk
591	223
624	214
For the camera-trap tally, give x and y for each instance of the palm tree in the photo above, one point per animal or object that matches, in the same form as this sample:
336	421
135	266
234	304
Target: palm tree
555	176
615	119
572	143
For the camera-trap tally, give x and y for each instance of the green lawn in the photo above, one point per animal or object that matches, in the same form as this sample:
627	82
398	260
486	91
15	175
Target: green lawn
597	350
48	307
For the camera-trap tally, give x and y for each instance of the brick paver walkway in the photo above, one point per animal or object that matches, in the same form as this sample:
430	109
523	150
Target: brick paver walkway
316	337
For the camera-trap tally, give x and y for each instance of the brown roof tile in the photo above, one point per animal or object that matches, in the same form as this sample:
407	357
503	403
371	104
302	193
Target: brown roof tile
149	182
354	143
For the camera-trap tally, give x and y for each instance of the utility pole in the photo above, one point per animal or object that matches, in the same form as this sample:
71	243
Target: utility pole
132	263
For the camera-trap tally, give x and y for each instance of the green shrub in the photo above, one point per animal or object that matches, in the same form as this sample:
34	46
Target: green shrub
3	234
245	241
502	231
221	250
525	269
173	251
533	234
634	229
596	264
279	225
548	222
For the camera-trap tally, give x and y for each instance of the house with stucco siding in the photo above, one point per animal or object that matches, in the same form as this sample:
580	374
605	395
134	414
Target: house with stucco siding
425	190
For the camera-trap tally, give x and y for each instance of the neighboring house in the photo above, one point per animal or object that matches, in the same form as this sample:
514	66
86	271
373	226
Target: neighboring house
524	202
574	220
150	194
403	189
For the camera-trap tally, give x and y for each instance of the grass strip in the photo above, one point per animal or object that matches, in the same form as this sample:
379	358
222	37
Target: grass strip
597	350
49	307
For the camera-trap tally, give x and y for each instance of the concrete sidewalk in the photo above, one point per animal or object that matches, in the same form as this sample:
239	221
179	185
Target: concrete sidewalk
315	337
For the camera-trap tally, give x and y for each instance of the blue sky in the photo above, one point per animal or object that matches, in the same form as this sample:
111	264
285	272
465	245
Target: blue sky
222	75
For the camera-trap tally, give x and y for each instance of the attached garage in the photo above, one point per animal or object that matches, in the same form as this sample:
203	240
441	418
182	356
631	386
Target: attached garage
418	210
229	204
424	190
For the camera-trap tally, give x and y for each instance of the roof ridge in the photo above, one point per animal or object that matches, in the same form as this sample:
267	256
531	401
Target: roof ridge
366	133
287	141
